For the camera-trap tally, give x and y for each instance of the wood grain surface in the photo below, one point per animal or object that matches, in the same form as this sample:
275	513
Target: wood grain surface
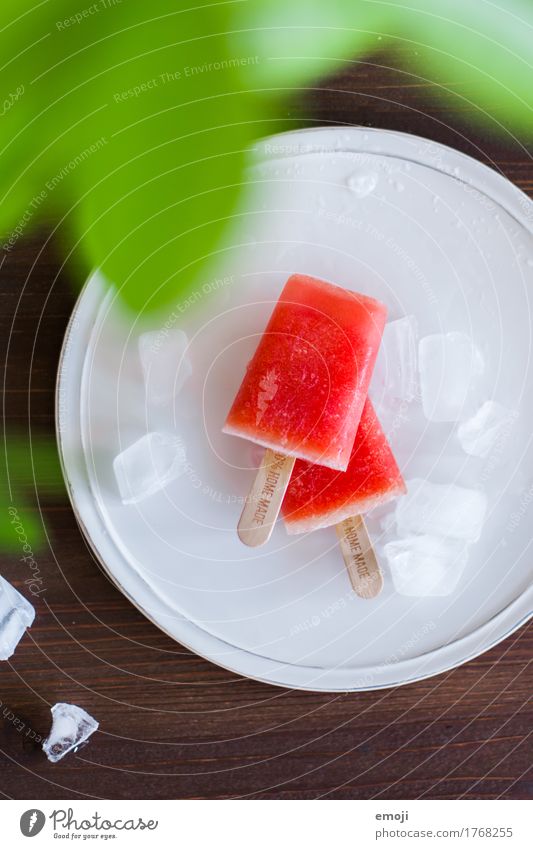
171	724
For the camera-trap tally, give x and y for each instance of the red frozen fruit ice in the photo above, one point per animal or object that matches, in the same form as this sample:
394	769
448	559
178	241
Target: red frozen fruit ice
318	497
305	387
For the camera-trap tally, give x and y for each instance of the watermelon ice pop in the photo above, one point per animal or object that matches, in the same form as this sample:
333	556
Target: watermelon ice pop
305	387
318	497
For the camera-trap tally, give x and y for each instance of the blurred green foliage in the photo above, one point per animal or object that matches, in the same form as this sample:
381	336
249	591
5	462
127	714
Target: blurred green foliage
26	469
131	120
134	122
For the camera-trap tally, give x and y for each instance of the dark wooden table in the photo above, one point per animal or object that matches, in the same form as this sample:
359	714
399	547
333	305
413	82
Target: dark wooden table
173	725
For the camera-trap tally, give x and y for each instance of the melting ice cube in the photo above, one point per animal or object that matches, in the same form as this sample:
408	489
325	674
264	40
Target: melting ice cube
441	510
165	364
450	366
395	371
149	465
480	433
71	726
16	614
426	565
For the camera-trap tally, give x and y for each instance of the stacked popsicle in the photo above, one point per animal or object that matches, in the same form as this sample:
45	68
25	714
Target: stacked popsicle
304	397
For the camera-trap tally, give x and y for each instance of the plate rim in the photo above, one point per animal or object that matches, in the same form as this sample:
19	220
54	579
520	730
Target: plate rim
202	642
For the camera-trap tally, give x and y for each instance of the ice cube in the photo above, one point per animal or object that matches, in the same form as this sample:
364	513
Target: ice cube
450	367
441	510
362	183
149	465
480	433
395	371
426	565
16	614
71	726
165	364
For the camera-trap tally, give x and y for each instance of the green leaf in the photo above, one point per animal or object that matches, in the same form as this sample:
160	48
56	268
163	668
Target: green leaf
134	122
299	41
481	55
19	527
27	467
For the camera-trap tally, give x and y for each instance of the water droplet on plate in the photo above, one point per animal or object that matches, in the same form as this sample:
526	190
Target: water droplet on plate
362	184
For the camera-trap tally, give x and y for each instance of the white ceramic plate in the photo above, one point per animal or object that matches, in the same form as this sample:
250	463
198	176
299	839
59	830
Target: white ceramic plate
439	236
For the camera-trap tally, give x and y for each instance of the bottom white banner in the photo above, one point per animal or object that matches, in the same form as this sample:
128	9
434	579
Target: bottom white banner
269	824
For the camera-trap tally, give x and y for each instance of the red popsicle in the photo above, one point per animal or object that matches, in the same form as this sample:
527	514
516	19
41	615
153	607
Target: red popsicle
318	497
305	387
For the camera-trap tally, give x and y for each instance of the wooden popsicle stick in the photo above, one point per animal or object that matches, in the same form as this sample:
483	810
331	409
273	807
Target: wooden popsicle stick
263	502
359	556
